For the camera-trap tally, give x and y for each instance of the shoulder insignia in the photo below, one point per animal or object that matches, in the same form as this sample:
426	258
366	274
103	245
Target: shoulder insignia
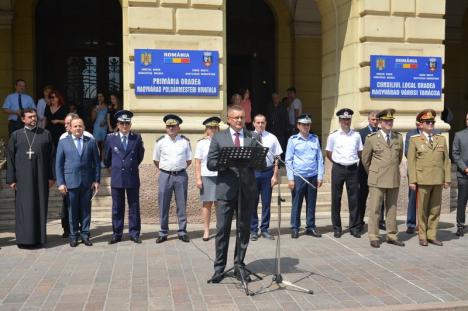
185	137
157	140
415	135
201	139
334	131
397	133
371	134
437	134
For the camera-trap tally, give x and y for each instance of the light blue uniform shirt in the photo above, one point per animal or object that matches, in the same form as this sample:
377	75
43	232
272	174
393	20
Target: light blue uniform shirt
304	156
11	102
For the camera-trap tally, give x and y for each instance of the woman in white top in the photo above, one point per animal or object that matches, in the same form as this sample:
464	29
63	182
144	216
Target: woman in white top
206	179
41	105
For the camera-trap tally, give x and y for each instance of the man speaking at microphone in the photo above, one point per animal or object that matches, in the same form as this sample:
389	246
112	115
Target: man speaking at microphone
227	192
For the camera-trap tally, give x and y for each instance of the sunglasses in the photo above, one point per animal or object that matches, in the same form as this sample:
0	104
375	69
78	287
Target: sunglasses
429	122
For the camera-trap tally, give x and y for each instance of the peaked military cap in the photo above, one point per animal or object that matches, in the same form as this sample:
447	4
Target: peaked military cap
212	121
386	114
304	119
345	113
172	119
426	115
123	116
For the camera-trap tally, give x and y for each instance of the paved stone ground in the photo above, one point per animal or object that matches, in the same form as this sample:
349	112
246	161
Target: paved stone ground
343	273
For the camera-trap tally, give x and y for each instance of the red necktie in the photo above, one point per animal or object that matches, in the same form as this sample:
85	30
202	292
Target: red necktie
237	140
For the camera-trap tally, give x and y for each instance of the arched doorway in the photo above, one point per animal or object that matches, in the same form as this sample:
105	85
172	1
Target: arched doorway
79	48
251	50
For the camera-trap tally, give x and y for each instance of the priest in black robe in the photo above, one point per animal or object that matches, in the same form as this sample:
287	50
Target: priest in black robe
29	173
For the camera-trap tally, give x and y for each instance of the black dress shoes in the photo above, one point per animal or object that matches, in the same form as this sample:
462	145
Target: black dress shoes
460	232
314	232
396	242
237	275
73	243
382	226
161	239
184	238
356	234
375	244
87	242
294	234
114	240
410	230
253	236
337	234
216	278
135	239
65	235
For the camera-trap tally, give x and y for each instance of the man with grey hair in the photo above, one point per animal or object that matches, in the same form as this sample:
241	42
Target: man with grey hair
372	127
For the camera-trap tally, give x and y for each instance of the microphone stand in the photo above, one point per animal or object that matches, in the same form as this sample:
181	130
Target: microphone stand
277	276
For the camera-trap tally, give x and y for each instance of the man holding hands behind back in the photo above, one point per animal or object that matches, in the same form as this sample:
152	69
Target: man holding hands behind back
227	191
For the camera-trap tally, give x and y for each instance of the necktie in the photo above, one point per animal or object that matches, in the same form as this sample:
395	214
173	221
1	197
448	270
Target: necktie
260	138
124	142
20	104
374	129
236	140
388	139
78	145
430	138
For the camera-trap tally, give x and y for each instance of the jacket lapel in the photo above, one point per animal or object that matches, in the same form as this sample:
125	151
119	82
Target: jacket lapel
85	144
228	138
72	144
130	142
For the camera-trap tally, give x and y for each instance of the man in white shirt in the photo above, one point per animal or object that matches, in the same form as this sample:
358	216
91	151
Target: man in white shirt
344	148
172	155
295	109
266	178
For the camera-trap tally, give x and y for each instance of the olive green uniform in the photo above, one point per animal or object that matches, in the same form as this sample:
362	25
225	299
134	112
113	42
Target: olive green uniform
381	160
429	168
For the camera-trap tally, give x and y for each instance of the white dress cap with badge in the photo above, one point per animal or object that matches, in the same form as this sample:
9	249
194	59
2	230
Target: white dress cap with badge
304	119
123	116
345	113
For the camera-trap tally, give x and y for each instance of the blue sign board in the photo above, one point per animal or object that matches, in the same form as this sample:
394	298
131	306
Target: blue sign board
405	77
176	72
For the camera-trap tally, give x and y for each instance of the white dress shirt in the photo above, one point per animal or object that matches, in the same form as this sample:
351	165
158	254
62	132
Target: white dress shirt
172	154
270	141
344	146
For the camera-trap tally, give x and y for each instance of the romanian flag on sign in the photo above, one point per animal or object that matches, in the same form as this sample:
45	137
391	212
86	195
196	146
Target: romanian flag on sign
407	66
176	60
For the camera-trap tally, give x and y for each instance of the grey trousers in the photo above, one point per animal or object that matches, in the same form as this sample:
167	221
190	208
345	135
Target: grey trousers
167	185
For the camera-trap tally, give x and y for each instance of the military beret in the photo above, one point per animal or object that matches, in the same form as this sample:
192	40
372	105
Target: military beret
172	119
212	121
345	113
123	116
386	114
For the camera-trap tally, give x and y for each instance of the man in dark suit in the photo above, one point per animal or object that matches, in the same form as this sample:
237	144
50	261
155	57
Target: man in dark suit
460	158
124	152
78	173
372	127
227	191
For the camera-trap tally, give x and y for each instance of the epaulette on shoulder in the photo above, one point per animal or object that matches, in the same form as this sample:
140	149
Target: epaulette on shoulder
415	135
371	134
397	133
293	136
185	137
157	140
201	139
437	134
334	131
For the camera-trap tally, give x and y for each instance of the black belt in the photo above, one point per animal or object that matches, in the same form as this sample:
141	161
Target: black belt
173	173
351	166
266	169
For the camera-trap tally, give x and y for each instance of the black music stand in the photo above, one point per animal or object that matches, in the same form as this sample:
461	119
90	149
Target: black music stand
242	157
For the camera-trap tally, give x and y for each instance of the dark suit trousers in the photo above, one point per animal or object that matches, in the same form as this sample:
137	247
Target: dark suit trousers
224	214
348	175
118	211
64	215
79	211
462	200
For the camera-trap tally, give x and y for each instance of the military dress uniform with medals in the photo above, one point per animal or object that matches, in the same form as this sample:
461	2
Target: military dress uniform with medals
381	158
428	168
123	154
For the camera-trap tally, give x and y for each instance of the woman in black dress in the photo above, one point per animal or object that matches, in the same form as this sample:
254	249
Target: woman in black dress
55	114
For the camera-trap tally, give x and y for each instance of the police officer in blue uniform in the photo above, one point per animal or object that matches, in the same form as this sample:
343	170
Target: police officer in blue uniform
304	156
124	152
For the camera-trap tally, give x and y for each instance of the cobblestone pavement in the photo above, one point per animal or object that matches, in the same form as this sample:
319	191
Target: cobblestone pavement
343	273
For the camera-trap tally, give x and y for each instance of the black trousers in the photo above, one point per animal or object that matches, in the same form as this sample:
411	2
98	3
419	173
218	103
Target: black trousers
341	175
462	200
362	198
224	214
64	215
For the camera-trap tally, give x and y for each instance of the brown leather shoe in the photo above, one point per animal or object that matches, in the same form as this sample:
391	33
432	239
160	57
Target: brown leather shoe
375	244
436	242
396	242
423	242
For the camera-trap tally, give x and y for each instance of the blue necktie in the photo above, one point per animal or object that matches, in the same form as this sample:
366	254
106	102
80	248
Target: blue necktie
78	145
124	142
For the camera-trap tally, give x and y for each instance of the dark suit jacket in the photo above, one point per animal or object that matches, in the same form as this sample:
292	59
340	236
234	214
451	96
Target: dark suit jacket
364	132
124	163
227	185
460	152
74	170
